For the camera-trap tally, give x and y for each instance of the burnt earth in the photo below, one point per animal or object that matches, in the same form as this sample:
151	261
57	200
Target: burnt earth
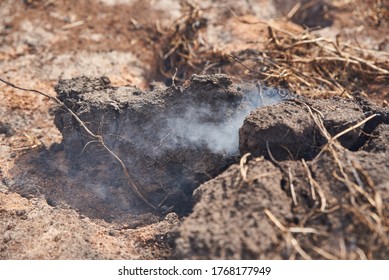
158	137
241	211
231	219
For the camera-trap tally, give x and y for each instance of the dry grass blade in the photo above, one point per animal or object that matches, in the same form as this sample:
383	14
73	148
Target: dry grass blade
324	253
298	248
372	225
369	181
314	184
291	185
361	254
243	167
96	138
294	10
354	127
354	188
303	230
275	220
287	233
73	25
270	153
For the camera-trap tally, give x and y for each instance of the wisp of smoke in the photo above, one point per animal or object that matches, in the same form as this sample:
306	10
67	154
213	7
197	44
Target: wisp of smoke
196	127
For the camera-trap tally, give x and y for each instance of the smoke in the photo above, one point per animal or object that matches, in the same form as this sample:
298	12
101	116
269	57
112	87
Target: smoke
169	141
217	129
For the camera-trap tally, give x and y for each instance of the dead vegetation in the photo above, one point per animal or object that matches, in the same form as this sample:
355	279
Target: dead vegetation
318	66
183	45
362	199
300	61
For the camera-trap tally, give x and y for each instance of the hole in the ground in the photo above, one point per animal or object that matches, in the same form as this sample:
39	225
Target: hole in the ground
170	141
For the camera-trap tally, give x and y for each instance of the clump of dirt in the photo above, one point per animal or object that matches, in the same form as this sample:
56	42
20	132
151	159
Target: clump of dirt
300	138
313	197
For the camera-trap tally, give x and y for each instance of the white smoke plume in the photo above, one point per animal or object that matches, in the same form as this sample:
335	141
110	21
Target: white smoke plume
197	127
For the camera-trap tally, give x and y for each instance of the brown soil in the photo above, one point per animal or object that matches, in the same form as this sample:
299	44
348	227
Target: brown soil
65	197
231	219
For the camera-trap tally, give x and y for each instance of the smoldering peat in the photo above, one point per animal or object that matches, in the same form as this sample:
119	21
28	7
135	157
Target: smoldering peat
170	141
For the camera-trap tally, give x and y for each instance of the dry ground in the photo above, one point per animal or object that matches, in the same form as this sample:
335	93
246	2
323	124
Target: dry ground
152	44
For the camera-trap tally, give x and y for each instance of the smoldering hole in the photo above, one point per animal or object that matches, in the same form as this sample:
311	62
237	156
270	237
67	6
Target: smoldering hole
170	141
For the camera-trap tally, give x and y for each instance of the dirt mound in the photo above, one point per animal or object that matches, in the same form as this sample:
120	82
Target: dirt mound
168	141
304	195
